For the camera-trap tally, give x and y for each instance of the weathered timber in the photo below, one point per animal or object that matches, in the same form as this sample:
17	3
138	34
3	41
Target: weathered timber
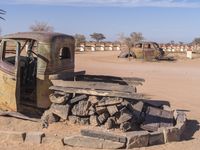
94	85
109	79
77	99
103	135
91	91
17	115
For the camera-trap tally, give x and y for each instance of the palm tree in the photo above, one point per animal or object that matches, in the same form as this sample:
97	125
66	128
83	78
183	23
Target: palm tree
2	12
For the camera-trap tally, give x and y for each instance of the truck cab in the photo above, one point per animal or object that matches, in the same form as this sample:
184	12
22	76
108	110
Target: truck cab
28	63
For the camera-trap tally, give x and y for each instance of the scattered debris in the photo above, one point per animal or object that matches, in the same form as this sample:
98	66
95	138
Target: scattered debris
17	115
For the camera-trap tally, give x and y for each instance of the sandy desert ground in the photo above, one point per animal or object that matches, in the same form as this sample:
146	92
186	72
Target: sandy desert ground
177	82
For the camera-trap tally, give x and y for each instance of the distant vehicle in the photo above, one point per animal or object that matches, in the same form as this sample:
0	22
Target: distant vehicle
144	50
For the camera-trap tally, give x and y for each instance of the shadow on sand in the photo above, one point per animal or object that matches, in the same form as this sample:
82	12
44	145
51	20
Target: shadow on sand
192	126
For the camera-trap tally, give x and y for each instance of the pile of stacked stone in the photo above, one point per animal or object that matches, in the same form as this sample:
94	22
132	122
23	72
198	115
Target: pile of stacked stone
110	112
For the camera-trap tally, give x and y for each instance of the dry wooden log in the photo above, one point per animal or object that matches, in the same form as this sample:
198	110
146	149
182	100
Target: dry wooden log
112	79
17	115
77	99
133	96
94	85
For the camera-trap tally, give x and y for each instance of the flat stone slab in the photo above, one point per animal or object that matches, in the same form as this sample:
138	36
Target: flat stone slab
90	142
103	135
15	136
137	139
156	138
156	118
34	137
60	110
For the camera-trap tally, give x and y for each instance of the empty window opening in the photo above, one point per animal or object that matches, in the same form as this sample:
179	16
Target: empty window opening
9	52
65	53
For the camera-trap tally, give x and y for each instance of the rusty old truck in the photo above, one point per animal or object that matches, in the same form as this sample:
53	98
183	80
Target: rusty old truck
33	64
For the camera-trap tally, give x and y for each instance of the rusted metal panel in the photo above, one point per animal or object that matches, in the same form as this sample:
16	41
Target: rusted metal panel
46	37
7	92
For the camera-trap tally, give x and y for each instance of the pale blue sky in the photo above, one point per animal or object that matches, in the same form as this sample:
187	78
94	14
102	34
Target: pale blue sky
158	20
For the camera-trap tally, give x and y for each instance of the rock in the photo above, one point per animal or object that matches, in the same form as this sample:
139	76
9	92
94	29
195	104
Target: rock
137	139
77	99
90	142
156	138
137	108
125	115
107	101
93	100
79	120
181	118
60	110
48	117
11	136
91	111
103	135
58	99
112	110
81	109
173	134
110	123
84	121
94	121
103	117
125	126
34	137
101	110
167	108
74	119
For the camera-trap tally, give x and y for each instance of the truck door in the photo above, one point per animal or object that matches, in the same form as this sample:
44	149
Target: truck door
9	75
